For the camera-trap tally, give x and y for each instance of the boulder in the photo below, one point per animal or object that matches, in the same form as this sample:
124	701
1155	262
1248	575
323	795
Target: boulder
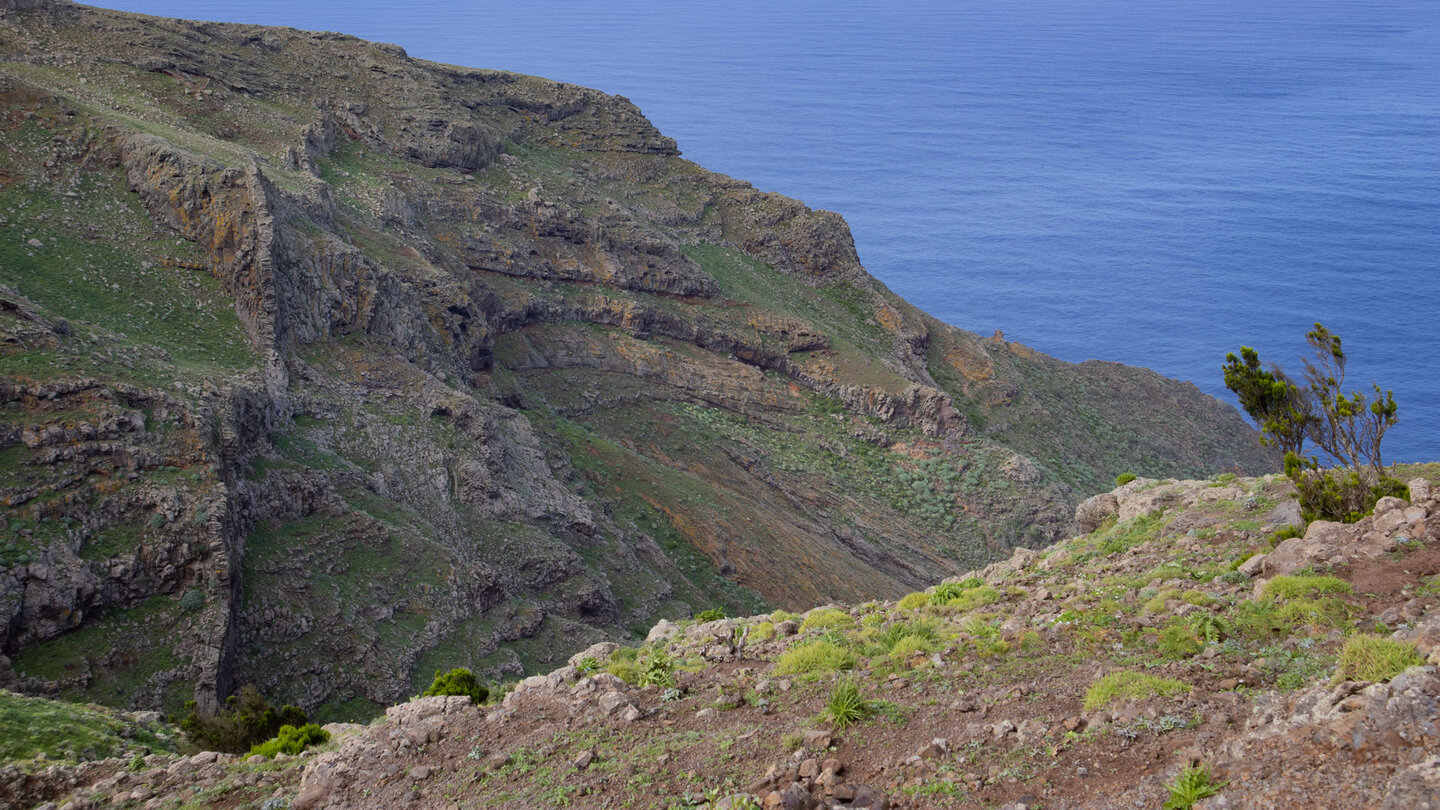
663	629
1095	510
599	652
1420	492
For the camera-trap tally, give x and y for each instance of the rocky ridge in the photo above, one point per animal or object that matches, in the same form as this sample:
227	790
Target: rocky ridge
999	706
322	368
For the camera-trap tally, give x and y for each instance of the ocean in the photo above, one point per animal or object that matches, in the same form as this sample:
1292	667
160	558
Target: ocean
1154	183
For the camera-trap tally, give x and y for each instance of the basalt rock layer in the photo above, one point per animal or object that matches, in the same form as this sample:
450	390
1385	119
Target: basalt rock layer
322	368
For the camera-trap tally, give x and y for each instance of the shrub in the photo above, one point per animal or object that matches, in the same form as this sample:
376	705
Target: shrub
711	615
1372	658
847	706
587	665
826	617
1190	786
1133	685
1341	495
1285	533
821	655
458	681
292	740
193	600
764	631
1124	478
247	719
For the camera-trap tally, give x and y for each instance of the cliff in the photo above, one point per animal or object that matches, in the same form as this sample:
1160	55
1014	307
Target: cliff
323	368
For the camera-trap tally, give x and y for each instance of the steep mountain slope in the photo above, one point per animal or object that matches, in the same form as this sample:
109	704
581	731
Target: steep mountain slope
1091	674
323	367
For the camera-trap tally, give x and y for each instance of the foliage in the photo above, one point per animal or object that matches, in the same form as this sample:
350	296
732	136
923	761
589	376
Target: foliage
1287	587
657	668
1178	640
911	601
458	681
247	719
1285	533
711	615
1130	684
1373	658
1124	478
1190	786
847	706
826	618
624	664
891	636
1276	404
1342	495
292	740
1346	427
821	655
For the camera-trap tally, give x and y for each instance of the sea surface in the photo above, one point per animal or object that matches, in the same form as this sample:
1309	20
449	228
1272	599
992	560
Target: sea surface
1155	183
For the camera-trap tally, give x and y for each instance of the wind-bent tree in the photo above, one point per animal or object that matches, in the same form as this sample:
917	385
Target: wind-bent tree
1346	427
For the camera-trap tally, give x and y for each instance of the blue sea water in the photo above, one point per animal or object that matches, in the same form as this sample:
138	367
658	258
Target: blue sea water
1153	182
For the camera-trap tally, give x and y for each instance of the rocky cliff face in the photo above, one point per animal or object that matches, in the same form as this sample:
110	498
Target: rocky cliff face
323	367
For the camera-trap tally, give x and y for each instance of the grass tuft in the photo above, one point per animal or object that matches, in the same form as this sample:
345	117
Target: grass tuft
817	656
847	706
1372	658
1127	684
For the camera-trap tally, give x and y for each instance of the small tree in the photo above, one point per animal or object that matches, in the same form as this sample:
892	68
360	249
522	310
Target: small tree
1346	427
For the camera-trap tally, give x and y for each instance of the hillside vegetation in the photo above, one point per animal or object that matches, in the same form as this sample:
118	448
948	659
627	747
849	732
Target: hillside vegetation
1179	653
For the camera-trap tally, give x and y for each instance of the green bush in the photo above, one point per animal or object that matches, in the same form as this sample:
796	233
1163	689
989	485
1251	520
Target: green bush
193	600
458	681
1285	533
1124	478
711	615
973	598
1339	494
292	740
821	655
909	646
1372	658
247	719
1128	684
